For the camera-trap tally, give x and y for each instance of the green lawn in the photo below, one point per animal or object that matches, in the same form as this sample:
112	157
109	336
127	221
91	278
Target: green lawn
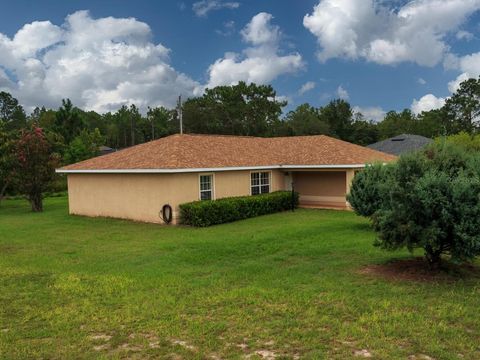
287	285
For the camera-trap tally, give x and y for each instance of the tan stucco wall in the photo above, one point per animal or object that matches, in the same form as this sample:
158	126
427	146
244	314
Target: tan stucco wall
322	188
141	196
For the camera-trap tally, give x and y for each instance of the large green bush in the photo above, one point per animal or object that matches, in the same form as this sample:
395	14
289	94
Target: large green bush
429	200
211	212
365	192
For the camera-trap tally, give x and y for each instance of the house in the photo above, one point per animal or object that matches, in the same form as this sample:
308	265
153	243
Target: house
401	144
136	182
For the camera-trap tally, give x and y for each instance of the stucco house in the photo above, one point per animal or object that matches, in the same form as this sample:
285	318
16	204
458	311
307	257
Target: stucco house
136	182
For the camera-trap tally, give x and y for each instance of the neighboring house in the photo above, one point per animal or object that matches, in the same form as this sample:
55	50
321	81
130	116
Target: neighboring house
104	150
401	144
135	183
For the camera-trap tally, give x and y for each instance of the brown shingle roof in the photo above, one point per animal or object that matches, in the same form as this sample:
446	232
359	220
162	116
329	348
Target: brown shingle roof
190	151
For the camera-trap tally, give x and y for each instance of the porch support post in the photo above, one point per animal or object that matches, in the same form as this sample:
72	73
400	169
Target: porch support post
350	173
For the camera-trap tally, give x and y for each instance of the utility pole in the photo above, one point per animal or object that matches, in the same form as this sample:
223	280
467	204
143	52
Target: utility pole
151	122
153	129
180	115
132	127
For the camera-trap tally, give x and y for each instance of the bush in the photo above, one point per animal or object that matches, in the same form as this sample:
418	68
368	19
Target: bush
212	212
429	200
365	191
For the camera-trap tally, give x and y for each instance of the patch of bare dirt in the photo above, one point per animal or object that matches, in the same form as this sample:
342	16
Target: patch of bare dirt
417	269
263	354
362	353
101	347
129	347
420	357
184	344
102	337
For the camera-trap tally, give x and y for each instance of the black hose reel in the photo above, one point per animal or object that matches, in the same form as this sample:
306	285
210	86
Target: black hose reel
166	214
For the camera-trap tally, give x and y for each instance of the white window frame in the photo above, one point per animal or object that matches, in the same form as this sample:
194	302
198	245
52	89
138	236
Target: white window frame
260	184
212	188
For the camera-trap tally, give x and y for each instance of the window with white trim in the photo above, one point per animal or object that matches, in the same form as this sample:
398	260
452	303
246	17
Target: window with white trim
260	182
206	187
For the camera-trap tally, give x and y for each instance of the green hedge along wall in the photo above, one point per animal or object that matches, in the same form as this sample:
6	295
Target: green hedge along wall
212	212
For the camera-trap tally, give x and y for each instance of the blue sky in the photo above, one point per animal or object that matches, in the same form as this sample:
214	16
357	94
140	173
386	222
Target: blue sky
380	55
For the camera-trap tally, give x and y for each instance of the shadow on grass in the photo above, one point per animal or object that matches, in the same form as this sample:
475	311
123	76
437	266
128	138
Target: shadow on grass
364	226
417	269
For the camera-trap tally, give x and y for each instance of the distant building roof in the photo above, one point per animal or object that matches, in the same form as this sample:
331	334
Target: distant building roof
184	152
401	144
103	150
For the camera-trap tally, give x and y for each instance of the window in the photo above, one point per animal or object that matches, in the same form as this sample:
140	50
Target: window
260	182
206	187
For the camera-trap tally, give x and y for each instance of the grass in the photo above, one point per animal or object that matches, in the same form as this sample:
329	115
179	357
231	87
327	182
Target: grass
285	285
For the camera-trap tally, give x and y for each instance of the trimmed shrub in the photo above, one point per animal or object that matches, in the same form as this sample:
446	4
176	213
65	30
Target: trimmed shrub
212	212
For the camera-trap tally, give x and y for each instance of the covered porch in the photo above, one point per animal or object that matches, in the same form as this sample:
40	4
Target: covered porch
321	188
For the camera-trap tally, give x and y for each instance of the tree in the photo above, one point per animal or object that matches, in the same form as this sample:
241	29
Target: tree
44	118
84	146
306	120
432	123
11	112
339	116
364	132
397	123
135	125
463	107
68	122
7	160
463	139
35	170
428	200
236	110
160	121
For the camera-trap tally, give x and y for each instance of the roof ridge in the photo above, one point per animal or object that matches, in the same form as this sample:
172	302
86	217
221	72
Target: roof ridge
223	135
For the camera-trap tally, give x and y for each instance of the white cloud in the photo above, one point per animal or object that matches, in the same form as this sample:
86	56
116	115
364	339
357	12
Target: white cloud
259	31
309	85
426	103
469	67
202	8
374	113
100	64
261	62
464	35
421	81
368	29
228	28
455	84
342	93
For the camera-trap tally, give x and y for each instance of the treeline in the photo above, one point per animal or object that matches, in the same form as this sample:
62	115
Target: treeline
243	109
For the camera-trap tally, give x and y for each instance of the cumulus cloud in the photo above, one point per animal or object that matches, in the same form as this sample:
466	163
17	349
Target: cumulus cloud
427	103
370	30
468	65
309	85
100	64
342	93
202	8
261	62
374	113
421	81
